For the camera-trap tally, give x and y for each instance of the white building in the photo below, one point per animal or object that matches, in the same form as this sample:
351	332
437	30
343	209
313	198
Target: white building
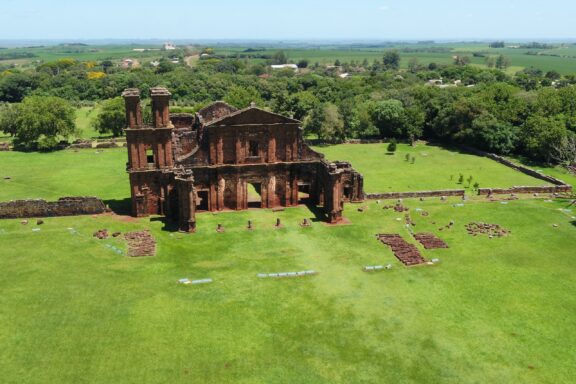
169	46
284	66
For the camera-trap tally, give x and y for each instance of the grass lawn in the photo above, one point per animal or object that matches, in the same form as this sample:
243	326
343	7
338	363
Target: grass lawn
434	168
492	311
64	173
84	118
499	310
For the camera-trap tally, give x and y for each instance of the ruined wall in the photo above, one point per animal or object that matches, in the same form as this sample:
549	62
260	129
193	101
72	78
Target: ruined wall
525	189
65	206
408	195
518	167
232	145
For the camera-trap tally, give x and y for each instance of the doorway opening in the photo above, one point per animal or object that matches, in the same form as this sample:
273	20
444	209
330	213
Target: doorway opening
254	195
202	202
304	193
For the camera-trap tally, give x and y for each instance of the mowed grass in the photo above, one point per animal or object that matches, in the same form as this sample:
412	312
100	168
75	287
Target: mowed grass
493	310
434	168
74	310
84	119
86	172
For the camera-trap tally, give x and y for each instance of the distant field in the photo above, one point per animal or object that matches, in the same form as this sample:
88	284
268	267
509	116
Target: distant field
326	54
434	168
517	56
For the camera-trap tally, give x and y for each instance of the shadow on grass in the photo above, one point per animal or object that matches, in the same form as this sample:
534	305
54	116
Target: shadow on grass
318	212
170	225
573	222
120	207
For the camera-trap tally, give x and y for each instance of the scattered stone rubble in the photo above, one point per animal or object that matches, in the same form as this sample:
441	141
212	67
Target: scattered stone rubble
101	234
397	208
407	253
492	230
140	243
430	241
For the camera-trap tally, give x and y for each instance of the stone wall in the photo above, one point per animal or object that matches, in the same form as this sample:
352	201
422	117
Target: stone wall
520	168
65	206
408	195
525	189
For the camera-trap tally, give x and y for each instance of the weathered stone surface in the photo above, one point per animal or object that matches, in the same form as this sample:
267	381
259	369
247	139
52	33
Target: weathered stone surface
65	206
408	195
206	162
525	189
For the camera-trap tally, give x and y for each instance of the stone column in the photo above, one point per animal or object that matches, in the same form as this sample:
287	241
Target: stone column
187	203
160	107
133	111
272	148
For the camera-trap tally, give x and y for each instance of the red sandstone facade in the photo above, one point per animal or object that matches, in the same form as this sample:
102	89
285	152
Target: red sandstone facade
186	163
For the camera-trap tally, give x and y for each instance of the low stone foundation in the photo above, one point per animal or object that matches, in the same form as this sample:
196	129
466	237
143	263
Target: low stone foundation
564	187
140	244
65	206
408	195
525	189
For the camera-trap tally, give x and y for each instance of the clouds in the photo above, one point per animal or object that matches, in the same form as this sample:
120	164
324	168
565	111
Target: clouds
384	8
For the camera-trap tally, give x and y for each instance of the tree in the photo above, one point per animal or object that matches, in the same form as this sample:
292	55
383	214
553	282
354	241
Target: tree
389	117
497	44
41	121
241	97
490	61
392	146
279	58
112	117
165	66
461	60
391	60
493	135
325	121
414	65
502	62
107	65
303	63
8	117
15	86
541	135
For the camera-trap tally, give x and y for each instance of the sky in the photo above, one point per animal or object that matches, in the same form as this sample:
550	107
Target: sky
288	19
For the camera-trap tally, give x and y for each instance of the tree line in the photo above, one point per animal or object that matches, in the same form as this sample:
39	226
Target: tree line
530	113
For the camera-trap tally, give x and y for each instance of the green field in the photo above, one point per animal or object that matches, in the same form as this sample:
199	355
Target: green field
64	173
491	311
498	310
561	59
434	168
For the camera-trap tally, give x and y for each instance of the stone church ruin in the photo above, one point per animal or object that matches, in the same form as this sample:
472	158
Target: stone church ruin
221	158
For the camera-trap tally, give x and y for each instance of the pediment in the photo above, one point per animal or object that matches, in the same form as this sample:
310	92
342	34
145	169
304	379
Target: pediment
253	116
